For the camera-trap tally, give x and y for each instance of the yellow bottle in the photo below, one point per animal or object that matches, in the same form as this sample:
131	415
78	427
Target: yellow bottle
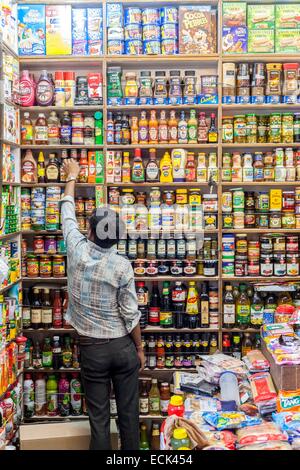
192	307
126	169
166	169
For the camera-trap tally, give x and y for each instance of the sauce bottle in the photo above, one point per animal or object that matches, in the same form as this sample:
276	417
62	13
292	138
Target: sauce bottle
182	129
134	130
66	129
165	396
110	128
173	128
26	89
190	168
52	169
192	127
166	169
246	344
28	168
44	93
202	129
126	168
154	399
125	137
153	128
243	308
138	171
26	130
155	437
143	128
144	398
41	130
53	129
163	128
152	168
41	168
192	305
213	131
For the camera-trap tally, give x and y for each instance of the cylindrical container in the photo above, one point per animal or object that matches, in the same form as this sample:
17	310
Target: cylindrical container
132	15
151	16
59	266
45	266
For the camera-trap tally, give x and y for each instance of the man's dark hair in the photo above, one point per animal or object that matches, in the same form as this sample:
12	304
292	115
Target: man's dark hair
107	227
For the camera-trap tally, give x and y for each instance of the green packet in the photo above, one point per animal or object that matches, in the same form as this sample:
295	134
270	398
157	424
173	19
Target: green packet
261	16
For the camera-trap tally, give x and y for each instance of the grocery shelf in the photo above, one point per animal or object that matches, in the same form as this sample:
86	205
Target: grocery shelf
60	59
45	185
161	58
279	106
159	329
48	330
9	235
76	108
175	278
266	279
150	185
272	57
44	279
51	371
131	2
9	286
41	232
142	107
55	418
261	230
172	369
9	142
261	146
261	183
162	146
58	147
8	183
240	330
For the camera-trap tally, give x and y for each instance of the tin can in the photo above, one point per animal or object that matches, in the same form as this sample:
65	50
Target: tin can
297	195
133	47
253	250
132	15
38	245
169	47
45	266
297	221
151	16
79	206
115	47
151	32
169	15
59	266
50	245
169	31
89	206
227	268
151	47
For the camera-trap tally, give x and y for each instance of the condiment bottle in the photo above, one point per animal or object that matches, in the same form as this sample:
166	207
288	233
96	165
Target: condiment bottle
28	168
190	168
26	89
163	128
66	129
41	130
52	169
152	168
126	169
41	168
202	129
138	171
173	128
44	93
192	127
53	129
153	128
143	128
166	174
26	130
134	130
182	129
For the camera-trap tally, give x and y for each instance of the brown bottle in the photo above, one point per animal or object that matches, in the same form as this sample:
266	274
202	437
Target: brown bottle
29	168
155	437
144	398
41	130
52	169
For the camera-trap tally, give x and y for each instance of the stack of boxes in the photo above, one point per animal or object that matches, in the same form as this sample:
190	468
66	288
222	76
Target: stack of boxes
260	28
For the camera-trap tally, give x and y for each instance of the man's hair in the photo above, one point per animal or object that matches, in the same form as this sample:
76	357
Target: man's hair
107	227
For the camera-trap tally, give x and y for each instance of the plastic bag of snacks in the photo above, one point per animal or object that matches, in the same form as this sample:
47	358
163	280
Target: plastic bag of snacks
289	422
221	439
229	420
288	400
215	364
256	361
262	387
196	436
265	432
276	330
295	318
271	445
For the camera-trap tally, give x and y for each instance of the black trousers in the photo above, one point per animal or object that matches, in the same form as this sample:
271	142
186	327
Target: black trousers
103	361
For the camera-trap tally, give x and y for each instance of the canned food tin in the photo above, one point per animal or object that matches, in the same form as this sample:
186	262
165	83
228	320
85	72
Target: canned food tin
151	16
89	206
132	15
169	47
45	266
169	31
50	245
133	47
168	15
59	266
115	47
297	221
38	245
151	32
79	206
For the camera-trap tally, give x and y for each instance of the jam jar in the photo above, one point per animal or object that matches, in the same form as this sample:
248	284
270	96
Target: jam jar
45	266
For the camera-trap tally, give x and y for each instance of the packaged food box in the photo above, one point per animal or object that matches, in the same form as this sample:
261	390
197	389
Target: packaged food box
31	30
287	15
234	14
287	40
197	30
261	16
79	31
95	31
261	40
114	15
234	39
58	30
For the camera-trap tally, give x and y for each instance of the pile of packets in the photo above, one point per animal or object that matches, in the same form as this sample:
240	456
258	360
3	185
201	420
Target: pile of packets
232	404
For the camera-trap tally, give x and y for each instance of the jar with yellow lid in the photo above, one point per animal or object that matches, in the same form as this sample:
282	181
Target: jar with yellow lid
127	197
227	129
195	197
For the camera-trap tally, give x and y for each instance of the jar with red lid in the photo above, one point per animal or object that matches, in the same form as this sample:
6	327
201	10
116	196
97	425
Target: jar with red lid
79	206
283	313
38	245
292	243
288	201
33	266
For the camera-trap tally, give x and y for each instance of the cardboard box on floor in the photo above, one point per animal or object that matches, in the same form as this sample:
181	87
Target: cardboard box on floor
285	377
72	435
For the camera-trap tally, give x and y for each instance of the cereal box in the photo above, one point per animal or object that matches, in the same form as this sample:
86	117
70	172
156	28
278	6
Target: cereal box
31	30
234	14
58	30
287	16
114	15
197	30
287	40
234	39
95	31
261	40
261	16
79	31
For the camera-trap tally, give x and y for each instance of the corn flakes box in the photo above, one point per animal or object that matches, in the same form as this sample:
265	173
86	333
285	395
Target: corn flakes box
234	14
261	40
31	30
287	40
287	16
261	16
58	30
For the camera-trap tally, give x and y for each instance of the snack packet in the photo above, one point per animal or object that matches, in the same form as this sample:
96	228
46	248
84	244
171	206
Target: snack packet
256	361
288	400
289	422
225	419
261	433
262	387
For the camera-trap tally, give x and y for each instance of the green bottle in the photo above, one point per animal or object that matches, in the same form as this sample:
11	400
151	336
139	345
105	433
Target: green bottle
52	396
192	127
144	443
98	128
47	354
243	308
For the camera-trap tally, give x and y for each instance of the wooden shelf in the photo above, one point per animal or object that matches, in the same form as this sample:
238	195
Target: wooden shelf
49	370
46	109
48	330
9	142
55	418
150	185
240	330
261	146
60	59
280	106
45	185
45	279
7	183
162	146
261	183
272	57
60	147
41	232
177	107
9	235
272	279
261	230
175	278
159	329
9	286
150	59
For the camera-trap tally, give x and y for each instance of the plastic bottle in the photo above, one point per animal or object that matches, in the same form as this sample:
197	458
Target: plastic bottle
57	353
178	165
76	392
66	129
41	130
166	169
44	93
229	387
26	130
176	406
180	439
64	396
52	396
98	128
27	89
28	168
41	170
40	395
67	353
28	396
53	129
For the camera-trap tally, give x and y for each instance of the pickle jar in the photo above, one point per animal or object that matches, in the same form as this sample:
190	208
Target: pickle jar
262	129
273	87
287	128
251	121
274	128
239	129
227	130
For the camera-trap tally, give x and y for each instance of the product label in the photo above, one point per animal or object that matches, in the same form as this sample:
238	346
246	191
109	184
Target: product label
257	312
36	315
47	358
205	312
47	315
154	403
164	405
144	405
166	318
243	313
41	133
152	171
229	314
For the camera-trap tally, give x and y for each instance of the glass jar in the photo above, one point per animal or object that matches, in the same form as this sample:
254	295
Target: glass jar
33	266
287	128
50	245
227	130
241	266
266	244
114	196
290	79
79	206
45	266
194	197
262	129
160	87
239	129
181	196
288	201
275	220
274	128
241	244
263	201
127	197
249	219
292	243
38	245
59	266
251	122
145	89
266	264
175	89
190	87
288	220
131	88
210	202
297	127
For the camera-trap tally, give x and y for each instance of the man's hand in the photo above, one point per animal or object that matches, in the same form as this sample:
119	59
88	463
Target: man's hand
71	168
141	357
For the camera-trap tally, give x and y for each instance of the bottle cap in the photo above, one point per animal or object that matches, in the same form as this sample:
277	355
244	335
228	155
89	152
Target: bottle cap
176	400
180	433
59	75
69	76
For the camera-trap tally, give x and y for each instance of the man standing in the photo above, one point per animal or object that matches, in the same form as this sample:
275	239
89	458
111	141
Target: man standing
103	309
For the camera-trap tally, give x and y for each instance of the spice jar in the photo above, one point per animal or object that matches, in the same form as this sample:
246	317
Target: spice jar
273	87
290	79
38	245
175	90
